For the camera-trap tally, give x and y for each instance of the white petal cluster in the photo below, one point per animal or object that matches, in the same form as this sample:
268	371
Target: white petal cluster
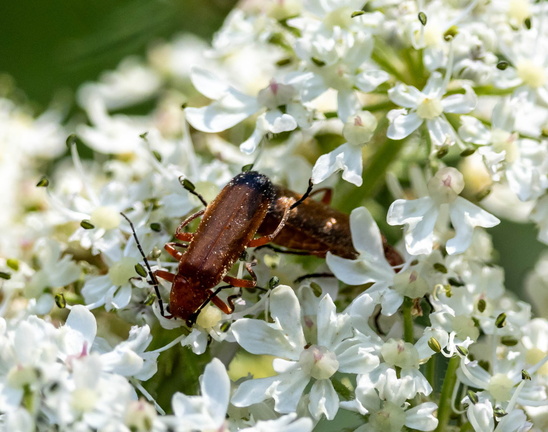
430	117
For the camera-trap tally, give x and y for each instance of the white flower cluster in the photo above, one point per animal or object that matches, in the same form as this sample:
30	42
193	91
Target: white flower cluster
430	100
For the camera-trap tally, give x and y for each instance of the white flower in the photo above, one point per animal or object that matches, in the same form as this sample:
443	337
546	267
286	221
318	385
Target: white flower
55	271
207	411
385	401
338	60
539	215
70	382
427	106
482	418
230	107
371	265
332	349
113	290
286	423
504	383
129	84
422	215
347	157
536	285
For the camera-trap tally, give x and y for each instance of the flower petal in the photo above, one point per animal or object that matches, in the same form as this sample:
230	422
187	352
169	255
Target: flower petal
403	125
421	417
285	310
215	386
405	96
207	83
258	337
460	103
366	236
351	272
323	400
278	122
215	117
464	217
83	321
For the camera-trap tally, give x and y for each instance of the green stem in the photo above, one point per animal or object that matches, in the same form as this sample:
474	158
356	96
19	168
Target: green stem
444	409
408	321
430	370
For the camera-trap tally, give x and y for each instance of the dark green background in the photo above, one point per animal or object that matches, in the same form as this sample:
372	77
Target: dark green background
53	45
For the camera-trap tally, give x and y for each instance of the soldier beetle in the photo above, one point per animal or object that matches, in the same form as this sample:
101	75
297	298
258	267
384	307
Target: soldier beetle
315	227
229	224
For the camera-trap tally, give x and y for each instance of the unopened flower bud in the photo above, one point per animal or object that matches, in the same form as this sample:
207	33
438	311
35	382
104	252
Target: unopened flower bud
446	185
276	94
360	128
319	362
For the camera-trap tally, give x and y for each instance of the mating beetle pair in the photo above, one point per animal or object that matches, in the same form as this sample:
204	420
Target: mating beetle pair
247	205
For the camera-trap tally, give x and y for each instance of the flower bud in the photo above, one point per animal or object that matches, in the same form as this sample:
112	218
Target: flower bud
446	185
319	362
360	128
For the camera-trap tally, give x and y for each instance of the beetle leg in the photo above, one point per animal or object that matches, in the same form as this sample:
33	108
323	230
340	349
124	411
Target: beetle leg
165	275
240	283
187	221
268	238
327	195
170	249
222	305
184	236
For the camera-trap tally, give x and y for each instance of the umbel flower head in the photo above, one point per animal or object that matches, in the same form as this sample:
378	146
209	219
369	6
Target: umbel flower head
400	99
424	215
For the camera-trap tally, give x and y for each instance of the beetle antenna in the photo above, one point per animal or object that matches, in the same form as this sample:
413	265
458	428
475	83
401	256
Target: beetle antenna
189	186
153	280
305	196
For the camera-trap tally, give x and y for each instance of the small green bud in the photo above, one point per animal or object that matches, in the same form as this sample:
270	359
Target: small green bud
187	184
450	33
157	155
149	301
472	396
442	152
140	270
463	351
503	65
440	267
284	62
500	322
468	152
43	182
422	18
499	412
60	301
13	264
316	289
483	194
508	341
71	140
434	345
273	282
86	224
318	62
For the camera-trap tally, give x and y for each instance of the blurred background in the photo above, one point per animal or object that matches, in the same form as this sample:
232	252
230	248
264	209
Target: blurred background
49	48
